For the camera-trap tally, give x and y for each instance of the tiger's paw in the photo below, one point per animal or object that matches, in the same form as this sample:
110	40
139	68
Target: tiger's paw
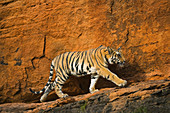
122	83
64	95
43	97
94	91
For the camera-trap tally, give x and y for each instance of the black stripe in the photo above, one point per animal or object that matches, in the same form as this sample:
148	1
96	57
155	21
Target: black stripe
51	69
90	55
69	74
89	65
106	59
51	74
52	65
72	61
108	77
97	60
61	84
32	91
82	53
102	64
61	78
55	59
72	64
58	83
100	60
42	90
58	61
49	80
58	86
67	59
92	77
100	45
82	65
78	53
88	62
39	91
47	84
87	68
85	73
63	60
99	56
95	57
77	68
63	74
71	57
85	55
101	51
77	62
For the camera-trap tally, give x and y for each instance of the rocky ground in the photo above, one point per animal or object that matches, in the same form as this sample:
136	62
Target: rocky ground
141	97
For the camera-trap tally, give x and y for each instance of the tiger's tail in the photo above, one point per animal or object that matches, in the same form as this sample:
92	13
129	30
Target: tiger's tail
49	80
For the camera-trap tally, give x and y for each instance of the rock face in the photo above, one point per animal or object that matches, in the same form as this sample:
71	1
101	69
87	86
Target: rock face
33	32
142	97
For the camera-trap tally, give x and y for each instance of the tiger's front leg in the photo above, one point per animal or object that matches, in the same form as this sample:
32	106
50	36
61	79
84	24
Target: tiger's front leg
94	79
106	73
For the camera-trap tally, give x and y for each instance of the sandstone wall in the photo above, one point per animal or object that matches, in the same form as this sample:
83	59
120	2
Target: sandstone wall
33	32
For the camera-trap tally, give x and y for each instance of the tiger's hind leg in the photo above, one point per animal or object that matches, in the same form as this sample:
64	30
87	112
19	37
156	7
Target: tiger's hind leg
94	79
58	91
46	92
58	87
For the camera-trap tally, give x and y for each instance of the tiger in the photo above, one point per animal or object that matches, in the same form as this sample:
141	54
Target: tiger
93	62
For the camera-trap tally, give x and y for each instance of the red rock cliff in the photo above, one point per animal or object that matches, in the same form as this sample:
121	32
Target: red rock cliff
33	32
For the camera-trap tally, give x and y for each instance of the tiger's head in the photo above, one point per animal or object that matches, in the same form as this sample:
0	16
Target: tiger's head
115	56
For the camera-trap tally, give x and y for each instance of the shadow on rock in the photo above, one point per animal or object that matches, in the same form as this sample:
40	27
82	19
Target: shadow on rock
130	72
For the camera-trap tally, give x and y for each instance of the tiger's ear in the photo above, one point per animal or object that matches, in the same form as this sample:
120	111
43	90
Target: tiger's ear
109	50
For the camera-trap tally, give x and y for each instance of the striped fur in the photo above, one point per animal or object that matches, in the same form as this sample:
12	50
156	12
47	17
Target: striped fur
92	62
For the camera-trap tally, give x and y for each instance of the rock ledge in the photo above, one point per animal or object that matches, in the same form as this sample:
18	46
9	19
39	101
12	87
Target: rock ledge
148	96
